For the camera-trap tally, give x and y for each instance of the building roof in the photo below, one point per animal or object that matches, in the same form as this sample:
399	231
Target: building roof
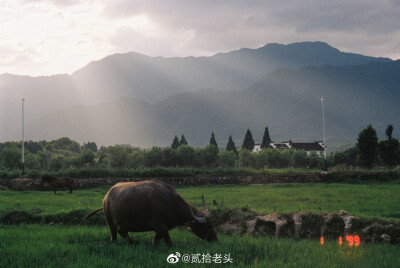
312	146
281	146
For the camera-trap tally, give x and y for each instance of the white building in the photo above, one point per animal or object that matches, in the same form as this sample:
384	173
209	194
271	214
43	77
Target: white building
317	147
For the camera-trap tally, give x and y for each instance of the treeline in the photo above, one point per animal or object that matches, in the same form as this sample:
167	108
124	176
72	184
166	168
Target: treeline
369	152
66	154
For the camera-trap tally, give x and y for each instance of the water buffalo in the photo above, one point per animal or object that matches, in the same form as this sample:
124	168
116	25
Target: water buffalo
152	206
58	183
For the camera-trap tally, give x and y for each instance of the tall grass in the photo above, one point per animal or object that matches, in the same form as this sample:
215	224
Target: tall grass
82	246
366	200
96	172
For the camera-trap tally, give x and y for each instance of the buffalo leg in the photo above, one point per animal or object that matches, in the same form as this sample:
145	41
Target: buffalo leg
113	229
156	239
167	239
55	190
162	235
125	235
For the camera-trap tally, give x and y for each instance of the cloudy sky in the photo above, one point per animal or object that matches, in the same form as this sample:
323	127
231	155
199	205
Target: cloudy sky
44	37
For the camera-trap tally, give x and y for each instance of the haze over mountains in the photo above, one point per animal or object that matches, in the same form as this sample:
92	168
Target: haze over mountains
144	101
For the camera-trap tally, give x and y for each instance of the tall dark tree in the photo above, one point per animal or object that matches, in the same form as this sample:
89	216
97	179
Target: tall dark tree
389	150
175	143
213	141
183	140
389	132
367	145
248	142
92	146
231	145
266	139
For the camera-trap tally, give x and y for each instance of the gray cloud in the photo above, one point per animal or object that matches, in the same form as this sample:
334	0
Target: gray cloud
226	24
62	3
125	38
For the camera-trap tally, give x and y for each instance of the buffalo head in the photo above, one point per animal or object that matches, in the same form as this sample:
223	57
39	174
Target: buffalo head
202	225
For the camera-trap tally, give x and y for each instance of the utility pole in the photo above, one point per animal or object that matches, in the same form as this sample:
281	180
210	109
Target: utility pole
23	155
323	131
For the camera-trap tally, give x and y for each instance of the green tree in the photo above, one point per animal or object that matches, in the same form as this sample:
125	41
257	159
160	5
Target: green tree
86	158
33	147
175	143
266	139
389	149
136	159
185	155
154	157
44	158
32	161
248	142
231	145
209	155
227	158
56	163
389	131
246	158
170	159
278	158
262	158
11	157
341	158
300	159
118	156
67	144
49	147
314	161
104	159
92	146
352	156
213	141
367	144
183	141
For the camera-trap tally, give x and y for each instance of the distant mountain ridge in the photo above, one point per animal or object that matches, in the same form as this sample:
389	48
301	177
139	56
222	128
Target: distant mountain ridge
287	101
161	82
155	78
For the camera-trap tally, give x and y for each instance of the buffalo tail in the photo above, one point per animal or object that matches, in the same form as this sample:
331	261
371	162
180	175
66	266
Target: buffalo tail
92	213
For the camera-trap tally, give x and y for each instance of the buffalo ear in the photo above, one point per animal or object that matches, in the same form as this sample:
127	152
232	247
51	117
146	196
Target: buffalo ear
204	203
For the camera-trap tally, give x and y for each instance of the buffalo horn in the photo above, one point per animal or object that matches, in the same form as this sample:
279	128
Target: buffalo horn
204	203
198	219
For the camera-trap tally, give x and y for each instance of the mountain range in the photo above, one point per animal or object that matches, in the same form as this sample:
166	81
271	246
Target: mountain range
144	101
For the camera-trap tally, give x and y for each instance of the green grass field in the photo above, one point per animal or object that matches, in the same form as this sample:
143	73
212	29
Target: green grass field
366	200
83	246
43	245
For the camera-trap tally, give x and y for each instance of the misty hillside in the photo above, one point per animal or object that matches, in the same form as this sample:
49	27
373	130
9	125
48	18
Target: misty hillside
43	94
152	79
287	101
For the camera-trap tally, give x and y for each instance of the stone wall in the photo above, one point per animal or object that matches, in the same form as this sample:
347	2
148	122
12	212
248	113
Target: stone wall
23	184
310	225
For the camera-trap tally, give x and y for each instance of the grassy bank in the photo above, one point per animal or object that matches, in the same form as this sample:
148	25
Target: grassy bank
96	172
72	244
82	246
364	200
